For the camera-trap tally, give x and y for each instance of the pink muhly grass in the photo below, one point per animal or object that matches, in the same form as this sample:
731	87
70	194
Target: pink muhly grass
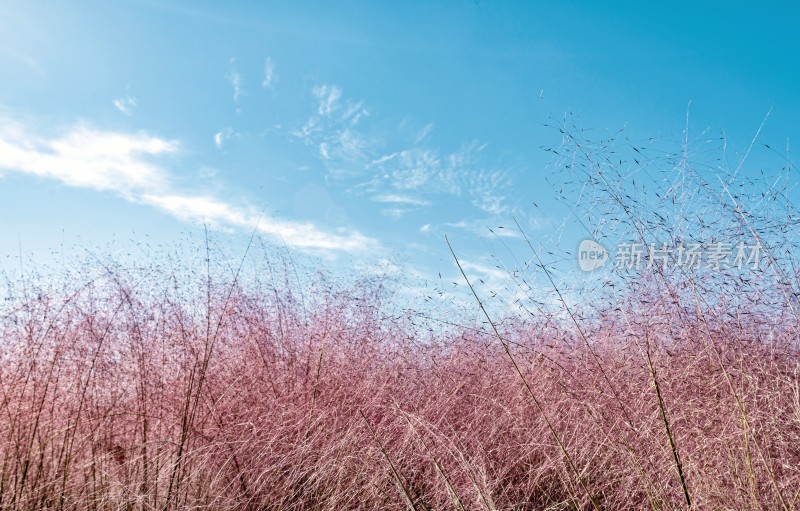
305	405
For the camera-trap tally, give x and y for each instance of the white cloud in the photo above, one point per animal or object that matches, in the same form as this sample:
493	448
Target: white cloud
297	234
486	228
409	170
328	97
488	189
423	133
235	79
350	149
485	273
391	198
125	105
458	173
123	163
334	130
87	158
402	204
345	146
269	74
223	136
196	207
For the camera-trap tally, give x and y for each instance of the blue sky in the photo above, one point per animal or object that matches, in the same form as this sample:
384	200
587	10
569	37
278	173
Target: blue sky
359	133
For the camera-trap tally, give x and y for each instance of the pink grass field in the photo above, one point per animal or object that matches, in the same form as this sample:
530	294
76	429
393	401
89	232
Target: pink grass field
136	391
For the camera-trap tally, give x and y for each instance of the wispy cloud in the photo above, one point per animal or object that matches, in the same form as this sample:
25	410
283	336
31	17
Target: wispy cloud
357	148
222	136
126	164
484	272
302	235
235	79
401	204
405	200
462	172
269	74
409	169
334	130
485	228
125	104
328	97
423	133
488	191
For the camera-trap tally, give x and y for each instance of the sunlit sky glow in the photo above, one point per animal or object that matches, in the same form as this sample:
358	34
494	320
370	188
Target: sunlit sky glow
357	132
